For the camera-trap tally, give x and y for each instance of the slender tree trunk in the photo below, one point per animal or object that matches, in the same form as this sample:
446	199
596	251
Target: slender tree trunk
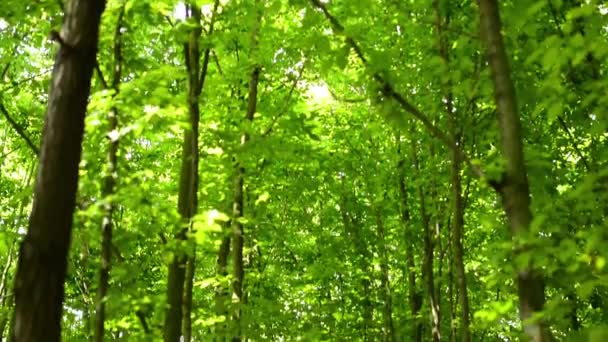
238	238
4	294
513	187
457	200
41	269
188	187
195	88
108	190
363	258
427	267
414	298
187	304
221	291
389	328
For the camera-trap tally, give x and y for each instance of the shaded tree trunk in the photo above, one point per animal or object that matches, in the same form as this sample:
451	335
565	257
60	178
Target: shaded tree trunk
187	304
414	298
238	237
513	188
363	258
41	269
108	190
389	328
188	186
427	266
456	181
221	291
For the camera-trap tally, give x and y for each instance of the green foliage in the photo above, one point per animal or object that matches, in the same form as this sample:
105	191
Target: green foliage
322	159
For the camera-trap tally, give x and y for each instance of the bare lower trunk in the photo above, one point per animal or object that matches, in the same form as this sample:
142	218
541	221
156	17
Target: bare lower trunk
513	187
221	292
427	266
187	304
41	269
457	200
108	190
389	329
414	299
238	238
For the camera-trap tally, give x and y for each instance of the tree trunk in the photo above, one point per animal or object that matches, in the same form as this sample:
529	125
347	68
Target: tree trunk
39	283
188	187
415	300
427	266
457	200
221	291
107	191
513	187
187	304
389	329
238	238
363	259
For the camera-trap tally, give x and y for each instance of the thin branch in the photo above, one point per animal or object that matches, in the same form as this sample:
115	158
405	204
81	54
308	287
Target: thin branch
343	99
19	129
574	144
207	52
28	79
102	79
287	100
389	91
217	63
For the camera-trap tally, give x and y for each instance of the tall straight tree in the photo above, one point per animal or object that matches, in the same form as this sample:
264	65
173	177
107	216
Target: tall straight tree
192	50
188	185
39	282
108	188
414	298
457	227
513	188
238	238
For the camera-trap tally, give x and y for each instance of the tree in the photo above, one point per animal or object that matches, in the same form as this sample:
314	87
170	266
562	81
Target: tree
39	281
343	175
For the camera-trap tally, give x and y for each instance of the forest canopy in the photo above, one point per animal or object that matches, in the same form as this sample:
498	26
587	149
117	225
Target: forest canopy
303	170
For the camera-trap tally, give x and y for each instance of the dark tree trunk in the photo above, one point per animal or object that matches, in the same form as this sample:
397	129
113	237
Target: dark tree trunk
457	200
108	190
39	283
427	266
221	291
414	298
513	187
238	237
389	328
364	256
187	304
188	187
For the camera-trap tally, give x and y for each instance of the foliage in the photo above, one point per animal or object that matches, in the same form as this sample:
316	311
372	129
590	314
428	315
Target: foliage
322	163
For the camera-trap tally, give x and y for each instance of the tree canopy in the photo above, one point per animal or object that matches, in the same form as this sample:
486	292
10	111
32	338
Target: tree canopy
303	170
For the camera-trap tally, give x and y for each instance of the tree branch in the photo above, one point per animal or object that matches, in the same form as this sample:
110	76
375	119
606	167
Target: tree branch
389	91
19	129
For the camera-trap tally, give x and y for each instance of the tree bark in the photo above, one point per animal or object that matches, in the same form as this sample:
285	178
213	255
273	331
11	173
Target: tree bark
41	269
427	266
188	187
221	290
364	257
389	328
238	237
108	190
187	304
414	298
513	187
457	200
